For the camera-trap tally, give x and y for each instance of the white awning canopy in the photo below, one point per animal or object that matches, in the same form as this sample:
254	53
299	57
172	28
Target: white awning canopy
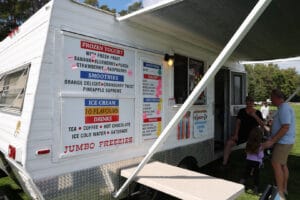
213	22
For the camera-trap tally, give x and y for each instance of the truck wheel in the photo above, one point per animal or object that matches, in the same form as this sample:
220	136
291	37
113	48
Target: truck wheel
2	173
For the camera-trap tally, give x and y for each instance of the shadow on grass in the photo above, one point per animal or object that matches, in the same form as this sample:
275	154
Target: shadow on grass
11	193
237	164
11	190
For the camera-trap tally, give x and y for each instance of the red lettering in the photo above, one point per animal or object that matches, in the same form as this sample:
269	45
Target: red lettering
101	48
101	119
114	142
79	147
156	119
111	142
153	77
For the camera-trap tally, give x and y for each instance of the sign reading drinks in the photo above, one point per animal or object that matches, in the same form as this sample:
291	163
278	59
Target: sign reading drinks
99	124
93	67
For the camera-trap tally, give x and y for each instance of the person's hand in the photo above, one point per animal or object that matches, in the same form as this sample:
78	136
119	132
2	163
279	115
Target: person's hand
234	138
267	144
267	128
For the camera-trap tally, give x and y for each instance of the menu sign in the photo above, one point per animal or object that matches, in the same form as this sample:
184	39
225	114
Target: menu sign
93	67
152	100
105	73
99	124
200	123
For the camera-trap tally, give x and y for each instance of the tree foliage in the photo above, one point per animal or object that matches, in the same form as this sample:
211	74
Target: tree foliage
14	12
263	78
105	7
133	7
92	2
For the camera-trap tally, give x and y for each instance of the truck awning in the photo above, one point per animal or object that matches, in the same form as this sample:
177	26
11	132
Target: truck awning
213	22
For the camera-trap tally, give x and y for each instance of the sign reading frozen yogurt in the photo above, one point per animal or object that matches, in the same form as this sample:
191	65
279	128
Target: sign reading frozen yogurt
93	67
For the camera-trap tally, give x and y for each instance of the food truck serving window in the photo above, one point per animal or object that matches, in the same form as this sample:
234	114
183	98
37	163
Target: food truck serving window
187	73
12	90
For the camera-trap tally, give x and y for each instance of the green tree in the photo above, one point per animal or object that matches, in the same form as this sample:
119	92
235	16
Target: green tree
123	12
92	3
14	12
105	7
133	7
263	78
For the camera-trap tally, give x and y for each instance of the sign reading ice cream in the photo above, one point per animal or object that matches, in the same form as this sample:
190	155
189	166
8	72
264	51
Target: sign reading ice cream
104	124
101	110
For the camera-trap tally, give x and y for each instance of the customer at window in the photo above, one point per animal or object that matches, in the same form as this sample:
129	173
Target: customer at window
247	119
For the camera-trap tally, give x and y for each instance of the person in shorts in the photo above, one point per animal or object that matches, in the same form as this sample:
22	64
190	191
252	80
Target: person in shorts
282	139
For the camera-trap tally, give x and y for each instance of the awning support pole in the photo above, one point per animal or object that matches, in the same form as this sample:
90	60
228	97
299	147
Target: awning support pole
292	95
208	76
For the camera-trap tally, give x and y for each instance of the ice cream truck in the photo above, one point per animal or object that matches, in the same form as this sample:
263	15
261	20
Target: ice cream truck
85	94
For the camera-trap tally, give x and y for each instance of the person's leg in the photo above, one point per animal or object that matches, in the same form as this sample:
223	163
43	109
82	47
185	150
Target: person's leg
279	163
279	177
277	159
286	177
227	150
246	173
256	175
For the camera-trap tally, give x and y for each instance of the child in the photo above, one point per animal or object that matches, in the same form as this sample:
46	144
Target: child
254	158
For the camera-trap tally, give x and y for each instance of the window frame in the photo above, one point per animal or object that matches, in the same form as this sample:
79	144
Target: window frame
187	83
242	92
9	107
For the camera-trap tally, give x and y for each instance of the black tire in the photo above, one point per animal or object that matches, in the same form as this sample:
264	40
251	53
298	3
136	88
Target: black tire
2	173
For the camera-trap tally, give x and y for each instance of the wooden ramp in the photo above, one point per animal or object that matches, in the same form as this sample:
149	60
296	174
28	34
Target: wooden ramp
185	184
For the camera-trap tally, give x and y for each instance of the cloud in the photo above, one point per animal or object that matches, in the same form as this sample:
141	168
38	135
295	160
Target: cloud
147	3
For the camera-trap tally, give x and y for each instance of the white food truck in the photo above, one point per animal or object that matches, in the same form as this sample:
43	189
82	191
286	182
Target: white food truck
84	94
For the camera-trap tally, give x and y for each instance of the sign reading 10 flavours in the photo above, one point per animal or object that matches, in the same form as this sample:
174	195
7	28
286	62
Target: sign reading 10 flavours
96	124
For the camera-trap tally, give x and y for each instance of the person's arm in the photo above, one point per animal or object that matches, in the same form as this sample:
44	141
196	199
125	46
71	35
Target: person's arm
281	132
258	119
235	135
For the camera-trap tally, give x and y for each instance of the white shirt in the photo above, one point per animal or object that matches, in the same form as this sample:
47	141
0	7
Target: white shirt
264	111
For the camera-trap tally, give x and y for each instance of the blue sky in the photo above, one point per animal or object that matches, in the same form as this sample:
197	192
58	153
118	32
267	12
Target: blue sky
282	63
288	64
117	4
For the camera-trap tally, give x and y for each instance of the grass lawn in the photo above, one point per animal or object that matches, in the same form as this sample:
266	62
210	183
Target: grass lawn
296	148
233	173
12	191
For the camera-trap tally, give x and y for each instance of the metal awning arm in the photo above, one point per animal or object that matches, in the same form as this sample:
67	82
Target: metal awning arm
208	76
292	95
